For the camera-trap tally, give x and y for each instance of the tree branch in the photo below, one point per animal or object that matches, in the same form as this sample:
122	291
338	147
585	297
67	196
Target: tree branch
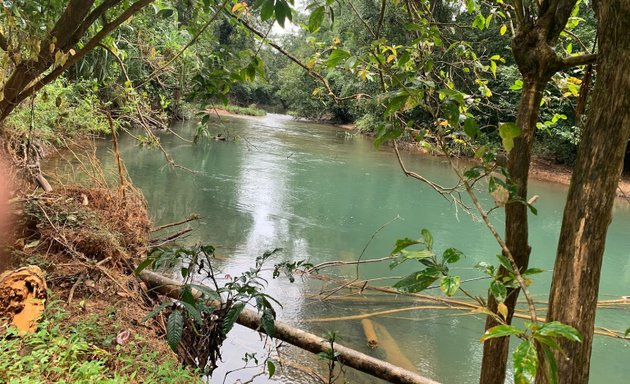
4	44
380	18
91	18
574	61
89	46
301	339
367	26
297	61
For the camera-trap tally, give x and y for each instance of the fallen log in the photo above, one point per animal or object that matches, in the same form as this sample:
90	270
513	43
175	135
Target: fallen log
393	352
370	333
301	339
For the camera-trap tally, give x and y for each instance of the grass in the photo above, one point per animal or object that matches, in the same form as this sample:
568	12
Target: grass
79	353
249	111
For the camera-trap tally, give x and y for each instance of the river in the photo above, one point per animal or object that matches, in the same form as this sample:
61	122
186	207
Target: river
321	193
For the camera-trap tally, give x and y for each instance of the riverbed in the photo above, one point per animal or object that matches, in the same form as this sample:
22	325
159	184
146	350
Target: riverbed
321	193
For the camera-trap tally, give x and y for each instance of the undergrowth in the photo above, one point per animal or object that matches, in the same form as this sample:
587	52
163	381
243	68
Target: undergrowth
249	111
62	109
62	351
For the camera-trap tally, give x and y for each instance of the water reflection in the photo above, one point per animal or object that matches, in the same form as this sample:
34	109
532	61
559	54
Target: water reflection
321	194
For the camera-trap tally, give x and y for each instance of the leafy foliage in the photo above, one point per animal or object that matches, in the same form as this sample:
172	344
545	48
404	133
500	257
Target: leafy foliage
64	352
202	317
435	269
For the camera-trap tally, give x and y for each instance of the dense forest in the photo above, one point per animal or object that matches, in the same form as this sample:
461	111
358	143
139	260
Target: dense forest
495	82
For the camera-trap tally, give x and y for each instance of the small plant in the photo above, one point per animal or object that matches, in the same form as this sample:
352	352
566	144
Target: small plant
331	356
435	269
202	317
62	352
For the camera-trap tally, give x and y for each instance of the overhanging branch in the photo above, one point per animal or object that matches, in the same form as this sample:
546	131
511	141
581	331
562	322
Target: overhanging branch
89	46
574	61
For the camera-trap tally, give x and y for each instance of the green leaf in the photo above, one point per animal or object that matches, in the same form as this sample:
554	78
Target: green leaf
207	292
451	112
525	363
267	322
450	284
500	331
416	282
550	365
452	255
505	262
155	311
508	131
419	254
503	29
395	103
267	10
404	243
192	312
316	19
532	209
548	341
533	271
336	57
187	296
470	6
428	238
385	133
518	85
557	329
486	268
231	316
166	13
498	290
627	332
174	329
145	263
471	128
282	11
474	172
271	368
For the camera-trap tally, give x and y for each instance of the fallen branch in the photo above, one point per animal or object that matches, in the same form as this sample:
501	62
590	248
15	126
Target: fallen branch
370	333
184	221
160	242
301	339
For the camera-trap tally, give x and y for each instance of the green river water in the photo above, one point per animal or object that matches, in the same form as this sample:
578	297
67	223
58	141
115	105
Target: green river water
320	194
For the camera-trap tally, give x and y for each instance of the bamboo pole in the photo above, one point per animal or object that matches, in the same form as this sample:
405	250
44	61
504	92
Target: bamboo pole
301	339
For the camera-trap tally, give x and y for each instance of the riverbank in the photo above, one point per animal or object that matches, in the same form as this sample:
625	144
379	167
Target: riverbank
540	169
79	243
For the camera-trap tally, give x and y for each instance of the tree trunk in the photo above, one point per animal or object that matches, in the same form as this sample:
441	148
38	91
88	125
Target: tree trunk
495	351
588	210
533	52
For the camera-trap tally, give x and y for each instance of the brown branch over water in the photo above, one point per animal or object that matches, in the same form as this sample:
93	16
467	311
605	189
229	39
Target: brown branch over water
301	339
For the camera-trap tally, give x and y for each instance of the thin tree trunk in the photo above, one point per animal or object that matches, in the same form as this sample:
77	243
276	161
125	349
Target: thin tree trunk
495	351
588	210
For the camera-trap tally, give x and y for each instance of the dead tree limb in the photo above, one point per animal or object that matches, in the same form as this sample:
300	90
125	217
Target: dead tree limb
301	339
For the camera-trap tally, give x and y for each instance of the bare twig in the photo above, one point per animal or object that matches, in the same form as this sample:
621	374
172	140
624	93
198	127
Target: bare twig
190	218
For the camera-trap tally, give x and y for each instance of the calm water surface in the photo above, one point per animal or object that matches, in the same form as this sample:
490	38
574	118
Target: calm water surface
320	194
